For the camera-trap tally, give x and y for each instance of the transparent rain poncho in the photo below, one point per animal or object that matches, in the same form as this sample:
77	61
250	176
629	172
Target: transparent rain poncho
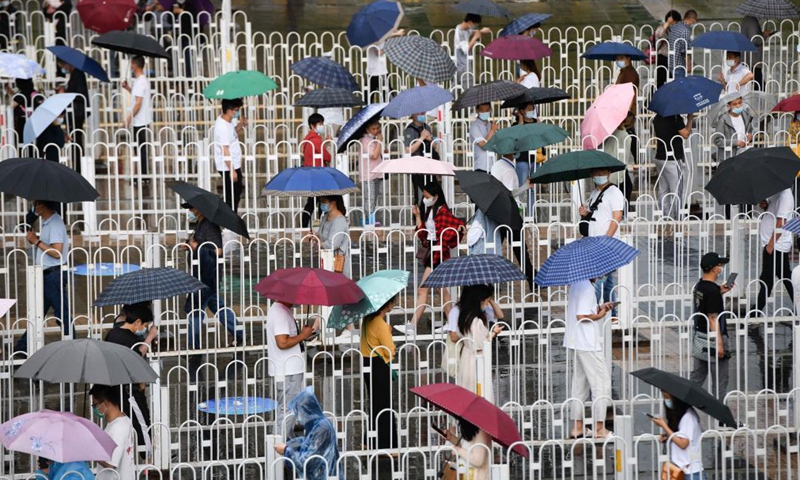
318	443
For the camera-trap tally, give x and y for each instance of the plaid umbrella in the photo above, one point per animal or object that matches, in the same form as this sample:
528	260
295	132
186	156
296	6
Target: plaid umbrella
378	289
146	285
768	9
354	125
473	270
482	7
329	98
420	57
488	93
310	182
417	100
536	95
584	259
325	72
523	23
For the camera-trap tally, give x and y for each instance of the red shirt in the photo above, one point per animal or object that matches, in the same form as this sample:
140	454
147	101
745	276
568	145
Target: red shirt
312	144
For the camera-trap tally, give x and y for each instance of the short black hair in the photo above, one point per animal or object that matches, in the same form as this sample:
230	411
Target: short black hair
735	53
104	393
473	17
138	60
137	311
674	15
314	119
690	14
45	203
228	105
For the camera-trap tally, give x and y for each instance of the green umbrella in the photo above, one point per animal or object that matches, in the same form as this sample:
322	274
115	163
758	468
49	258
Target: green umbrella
524	138
378	289
244	83
575	166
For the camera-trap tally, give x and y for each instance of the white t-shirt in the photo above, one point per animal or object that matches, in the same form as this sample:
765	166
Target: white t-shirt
376	60
741	133
452	318
505	171
781	205
430	226
732	79
613	201
584	335
122	432
530	80
225	135
141	88
462	38
291	361
689	459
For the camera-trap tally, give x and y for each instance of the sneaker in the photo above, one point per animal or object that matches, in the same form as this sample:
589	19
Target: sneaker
407	329
314	343
439	330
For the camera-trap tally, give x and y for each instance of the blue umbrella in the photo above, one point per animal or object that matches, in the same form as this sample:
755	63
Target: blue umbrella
685	95
473	270
610	50
584	259
105	269
793	226
79	60
417	100
374	22
730	41
310	182
45	114
354	125
325	72
18	66
523	23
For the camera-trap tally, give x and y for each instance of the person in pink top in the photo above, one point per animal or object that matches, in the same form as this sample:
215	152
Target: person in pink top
372	156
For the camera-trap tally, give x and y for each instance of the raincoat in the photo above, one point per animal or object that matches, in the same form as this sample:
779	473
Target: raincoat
67	471
318	443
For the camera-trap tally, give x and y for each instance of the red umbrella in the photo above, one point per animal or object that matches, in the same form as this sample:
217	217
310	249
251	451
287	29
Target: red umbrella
462	403
517	47
107	15
791	104
309	286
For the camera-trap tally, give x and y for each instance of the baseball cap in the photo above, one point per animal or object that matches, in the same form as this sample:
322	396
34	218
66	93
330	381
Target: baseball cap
711	260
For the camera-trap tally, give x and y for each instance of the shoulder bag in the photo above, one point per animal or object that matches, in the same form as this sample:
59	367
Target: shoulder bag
583	226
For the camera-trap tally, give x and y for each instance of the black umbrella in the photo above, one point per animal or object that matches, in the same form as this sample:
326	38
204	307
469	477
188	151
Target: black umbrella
488	93
132	43
754	175
329	98
689	392
211	206
492	197
536	95
38	179
146	285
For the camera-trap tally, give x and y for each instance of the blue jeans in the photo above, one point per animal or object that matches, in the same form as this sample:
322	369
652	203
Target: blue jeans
489	227
54	284
209	299
695	476
604	290
523	169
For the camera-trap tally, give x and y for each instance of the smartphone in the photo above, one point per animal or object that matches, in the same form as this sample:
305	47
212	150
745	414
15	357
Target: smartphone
652	417
730	280
617	304
310	322
439	429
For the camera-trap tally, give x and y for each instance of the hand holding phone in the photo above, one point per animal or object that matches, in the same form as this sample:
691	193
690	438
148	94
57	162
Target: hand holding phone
729	282
651	417
439	430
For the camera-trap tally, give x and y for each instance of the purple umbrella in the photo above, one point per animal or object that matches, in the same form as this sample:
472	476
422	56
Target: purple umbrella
517	47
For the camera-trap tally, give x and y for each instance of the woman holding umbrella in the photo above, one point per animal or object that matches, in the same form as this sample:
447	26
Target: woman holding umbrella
473	325
682	429
474	448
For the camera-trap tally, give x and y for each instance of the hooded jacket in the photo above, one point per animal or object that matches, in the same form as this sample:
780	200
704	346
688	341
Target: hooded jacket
317	449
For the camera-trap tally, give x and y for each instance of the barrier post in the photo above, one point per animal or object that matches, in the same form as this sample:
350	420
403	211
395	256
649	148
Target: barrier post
89	208
274	470
160	406
624	458
35	309
796	352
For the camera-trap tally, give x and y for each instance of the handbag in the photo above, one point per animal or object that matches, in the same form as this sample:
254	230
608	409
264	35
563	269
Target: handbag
423	251
448	472
338	262
701	348
670	471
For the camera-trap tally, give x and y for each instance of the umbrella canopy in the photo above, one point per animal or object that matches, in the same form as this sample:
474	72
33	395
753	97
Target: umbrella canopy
461	403
536	95
525	137
211	206
768	9
417	100
488	93
45	114
753	176
60	436
790	104
792	226
325	72
420	57
329	98
5	305
685	95
373	23
758	103
416	165
485	8
130	43
18	66
484	269
378	288
492	197
575	166
309	286
584	259
689	392
724	40
146	285
516	47
79	60
243	83
310	182
104	16
524	23
354	125
610	50
85	360
39	179
606	114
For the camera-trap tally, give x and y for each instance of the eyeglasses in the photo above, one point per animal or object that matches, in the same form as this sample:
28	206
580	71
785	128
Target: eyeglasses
94	405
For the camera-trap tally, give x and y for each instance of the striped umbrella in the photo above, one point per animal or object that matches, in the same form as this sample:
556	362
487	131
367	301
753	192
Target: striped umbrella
584	259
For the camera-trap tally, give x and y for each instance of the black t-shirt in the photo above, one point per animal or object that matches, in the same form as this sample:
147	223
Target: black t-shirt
666	130
124	337
708	301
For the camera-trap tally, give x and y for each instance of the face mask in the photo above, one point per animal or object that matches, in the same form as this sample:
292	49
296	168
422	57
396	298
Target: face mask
4	4
531	115
668	403
730	63
428	201
320	129
325	207
192	217
484	116
600	179
421	118
797	117
141	333
236	114
59	121
97	413
621	64
737	110
63	70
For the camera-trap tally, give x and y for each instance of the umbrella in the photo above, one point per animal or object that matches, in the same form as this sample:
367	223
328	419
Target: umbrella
329	98
689	392
310	182
491	197
104	16
724	40
85	360
146	285
482	7
420	57
211	206
792	226
755	175
575	166
354	125
536	95
610	50
759	103
525	137
790	104
685	95
60	436
325	72
79	60
18	66
243	83
5	305
516	47
606	114
416	165
484	269
461	403
378	288
45	114
768	9
309	286
524	23
39	179
130	43
488	93
417	100
373	23
584	259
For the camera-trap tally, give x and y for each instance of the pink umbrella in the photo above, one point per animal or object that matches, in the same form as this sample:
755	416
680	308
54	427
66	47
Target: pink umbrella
59	436
517	47
606	114
416	165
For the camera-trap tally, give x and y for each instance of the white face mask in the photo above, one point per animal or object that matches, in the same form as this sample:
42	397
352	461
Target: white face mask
428	201
730	63
320	129
530	115
600	179
4	4
484	116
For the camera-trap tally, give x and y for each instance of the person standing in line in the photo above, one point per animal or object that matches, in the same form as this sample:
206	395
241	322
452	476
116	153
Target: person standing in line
419	141
80	109
481	131
315	154
228	152
628	74
752	30
52	139
526	160
680	36
23	104
671	132
141	116
736	76
776	245
105	405
371	156
734	128
682	429
661	40
57	11
474	328
467	34
378	71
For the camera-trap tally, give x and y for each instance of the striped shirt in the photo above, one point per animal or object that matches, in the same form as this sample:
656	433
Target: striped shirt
680	35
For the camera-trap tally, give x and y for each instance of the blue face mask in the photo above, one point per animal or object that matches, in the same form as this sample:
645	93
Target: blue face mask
668	403
320	129
325	207
63	70
600	179
236	114
141	333
484	116
192	217
797	117
421	118
737	110
621	64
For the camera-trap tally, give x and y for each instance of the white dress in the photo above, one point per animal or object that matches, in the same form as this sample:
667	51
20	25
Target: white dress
476	459
467	374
